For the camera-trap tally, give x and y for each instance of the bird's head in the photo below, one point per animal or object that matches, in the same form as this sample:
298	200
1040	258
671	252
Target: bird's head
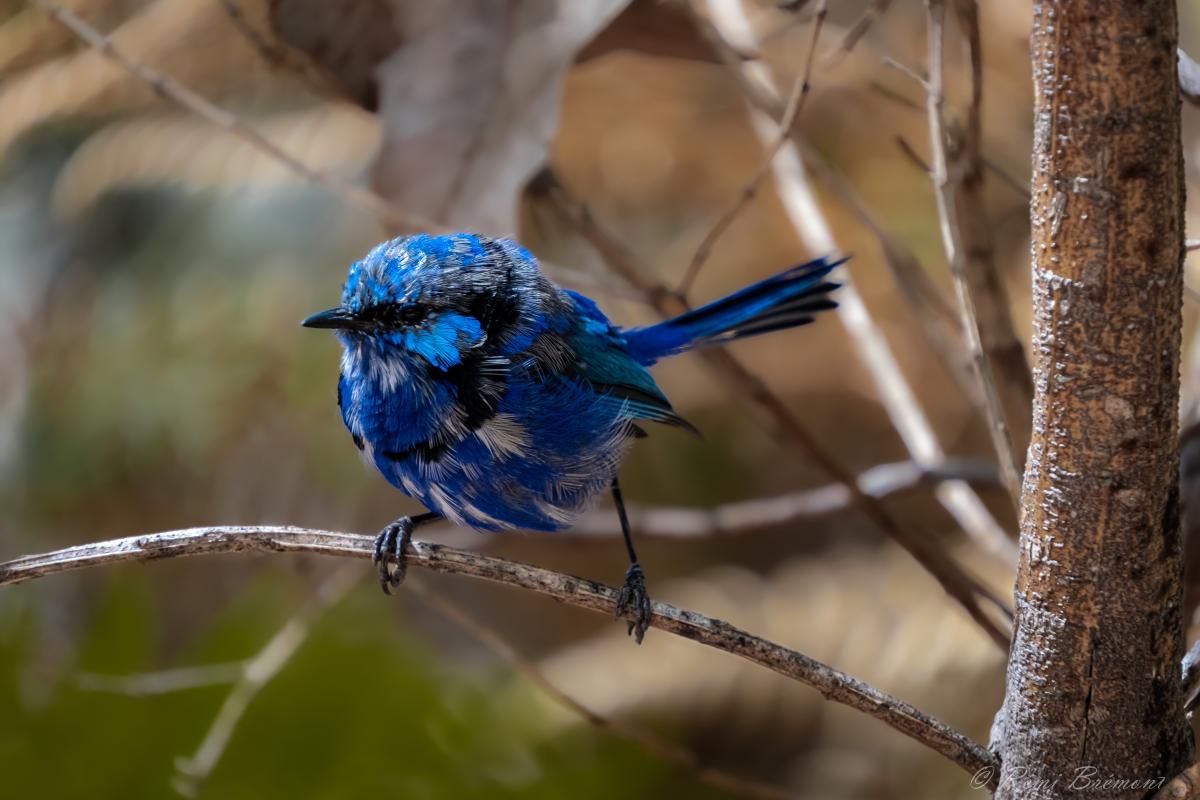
430	299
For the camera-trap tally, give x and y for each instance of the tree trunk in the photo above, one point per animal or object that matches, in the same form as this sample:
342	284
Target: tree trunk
1093	678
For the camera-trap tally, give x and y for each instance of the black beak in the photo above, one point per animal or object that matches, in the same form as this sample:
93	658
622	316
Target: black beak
335	318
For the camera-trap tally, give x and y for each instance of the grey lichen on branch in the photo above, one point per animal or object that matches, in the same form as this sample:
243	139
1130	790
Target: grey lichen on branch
831	683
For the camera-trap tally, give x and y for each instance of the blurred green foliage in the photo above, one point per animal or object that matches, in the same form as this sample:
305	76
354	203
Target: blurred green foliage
363	710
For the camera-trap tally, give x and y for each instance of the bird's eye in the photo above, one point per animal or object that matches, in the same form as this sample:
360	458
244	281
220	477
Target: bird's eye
397	315
411	314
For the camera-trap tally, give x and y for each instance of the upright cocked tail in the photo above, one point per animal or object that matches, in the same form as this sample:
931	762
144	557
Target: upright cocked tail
787	300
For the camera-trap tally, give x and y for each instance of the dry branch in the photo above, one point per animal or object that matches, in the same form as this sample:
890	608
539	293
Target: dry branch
965	168
831	683
880	481
800	91
894	391
859	29
952	241
936	318
813	229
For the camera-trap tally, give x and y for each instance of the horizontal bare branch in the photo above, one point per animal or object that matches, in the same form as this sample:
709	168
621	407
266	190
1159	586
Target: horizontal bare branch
882	480
831	683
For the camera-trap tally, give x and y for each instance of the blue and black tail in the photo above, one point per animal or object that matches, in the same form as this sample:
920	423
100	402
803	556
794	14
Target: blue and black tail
786	300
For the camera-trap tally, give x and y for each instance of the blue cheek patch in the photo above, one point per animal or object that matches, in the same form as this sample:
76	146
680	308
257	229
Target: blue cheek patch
442	341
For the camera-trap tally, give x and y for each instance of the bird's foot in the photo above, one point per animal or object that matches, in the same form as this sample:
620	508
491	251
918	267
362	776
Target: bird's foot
634	598
390	557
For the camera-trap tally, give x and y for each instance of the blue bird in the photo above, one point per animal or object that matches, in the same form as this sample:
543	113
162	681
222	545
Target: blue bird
500	400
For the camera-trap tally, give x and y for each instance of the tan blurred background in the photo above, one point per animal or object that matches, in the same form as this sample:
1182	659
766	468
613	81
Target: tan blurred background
153	270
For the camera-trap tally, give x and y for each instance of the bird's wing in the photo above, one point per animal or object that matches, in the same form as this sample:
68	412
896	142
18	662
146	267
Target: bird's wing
601	359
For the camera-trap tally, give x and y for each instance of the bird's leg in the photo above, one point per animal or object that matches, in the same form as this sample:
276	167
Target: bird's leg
633	596
390	546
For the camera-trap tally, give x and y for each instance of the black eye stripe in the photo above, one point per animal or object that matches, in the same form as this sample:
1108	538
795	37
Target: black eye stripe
396	315
412	313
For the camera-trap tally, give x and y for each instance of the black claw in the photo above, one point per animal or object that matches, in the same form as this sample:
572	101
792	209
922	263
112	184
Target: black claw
390	546
633	597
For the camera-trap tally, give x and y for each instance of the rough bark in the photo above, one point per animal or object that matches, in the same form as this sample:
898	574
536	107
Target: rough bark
1093	681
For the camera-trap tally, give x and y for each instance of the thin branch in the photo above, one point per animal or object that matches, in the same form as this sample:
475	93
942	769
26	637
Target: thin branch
1003	348
911	154
257	673
860	27
927	300
1020	187
961	586
831	683
164	681
795	103
170	89
655	745
272	54
883	480
888	93
1010	465
277	54
936	317
893	390
907	72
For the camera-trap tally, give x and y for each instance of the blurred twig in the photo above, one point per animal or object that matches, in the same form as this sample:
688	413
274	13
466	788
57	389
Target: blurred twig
391	218
907	71
257	673
795	103
957	583
1019	187
831	683
272	53
655	745
164	681
1004	349
912	155
874	11
894	391
171	89
277	55
952	240
936	316
883	480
